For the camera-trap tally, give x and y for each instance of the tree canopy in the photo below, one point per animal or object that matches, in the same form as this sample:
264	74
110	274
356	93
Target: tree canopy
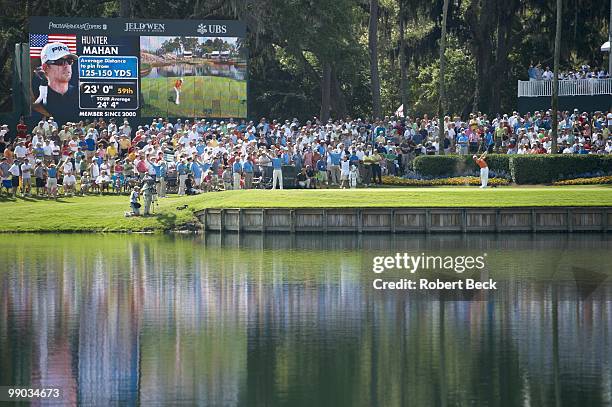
312	57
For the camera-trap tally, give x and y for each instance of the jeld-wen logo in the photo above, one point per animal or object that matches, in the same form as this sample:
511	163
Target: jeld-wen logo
145	27
212	29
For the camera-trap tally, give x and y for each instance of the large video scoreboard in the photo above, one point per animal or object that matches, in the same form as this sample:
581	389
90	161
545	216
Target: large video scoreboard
122	68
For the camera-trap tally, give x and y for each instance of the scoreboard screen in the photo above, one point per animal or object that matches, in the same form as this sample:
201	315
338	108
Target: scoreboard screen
124	68
108	83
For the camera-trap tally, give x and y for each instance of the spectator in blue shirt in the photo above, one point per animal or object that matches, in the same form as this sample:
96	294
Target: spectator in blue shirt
321	149
322	170
91	146
334	169
182	170
462	143
236	172
161	170
277	172
297	161
488	140
354	159
247	171
200	147
531	72
196	170
286	158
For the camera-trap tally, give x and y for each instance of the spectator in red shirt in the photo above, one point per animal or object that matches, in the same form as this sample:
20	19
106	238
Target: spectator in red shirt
22	129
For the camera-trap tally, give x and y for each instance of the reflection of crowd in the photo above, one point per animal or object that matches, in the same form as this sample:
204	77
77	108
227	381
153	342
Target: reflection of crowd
189	157
536	73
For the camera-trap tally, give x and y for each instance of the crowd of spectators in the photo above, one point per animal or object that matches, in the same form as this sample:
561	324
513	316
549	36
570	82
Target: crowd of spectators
536	73
578	133
193	156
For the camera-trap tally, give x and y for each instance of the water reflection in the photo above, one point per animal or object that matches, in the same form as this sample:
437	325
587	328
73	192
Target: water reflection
292	320
182	69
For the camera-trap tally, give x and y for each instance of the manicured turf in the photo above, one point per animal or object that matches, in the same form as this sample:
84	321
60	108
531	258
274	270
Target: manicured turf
414	197
89	214
201	96
106	213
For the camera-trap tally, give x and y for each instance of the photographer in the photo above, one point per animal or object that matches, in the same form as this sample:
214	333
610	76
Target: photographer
148	191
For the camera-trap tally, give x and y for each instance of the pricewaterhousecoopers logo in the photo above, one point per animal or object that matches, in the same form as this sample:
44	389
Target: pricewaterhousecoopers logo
145	27
212	29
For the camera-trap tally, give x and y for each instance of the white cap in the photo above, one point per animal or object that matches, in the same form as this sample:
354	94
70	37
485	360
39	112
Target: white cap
54	51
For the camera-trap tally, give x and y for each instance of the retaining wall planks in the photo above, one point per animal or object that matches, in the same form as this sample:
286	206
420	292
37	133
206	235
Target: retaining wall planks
408	220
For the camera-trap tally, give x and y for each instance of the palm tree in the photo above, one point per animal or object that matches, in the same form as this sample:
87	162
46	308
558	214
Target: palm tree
373	47
442	100
555	95
402	57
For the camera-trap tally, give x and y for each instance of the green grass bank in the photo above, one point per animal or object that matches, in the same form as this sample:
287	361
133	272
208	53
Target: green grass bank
106	213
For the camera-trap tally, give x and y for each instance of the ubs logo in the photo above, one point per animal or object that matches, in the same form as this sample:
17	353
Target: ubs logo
212	29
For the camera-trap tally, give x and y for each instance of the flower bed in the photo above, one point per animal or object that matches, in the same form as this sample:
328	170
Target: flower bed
586	181
455	181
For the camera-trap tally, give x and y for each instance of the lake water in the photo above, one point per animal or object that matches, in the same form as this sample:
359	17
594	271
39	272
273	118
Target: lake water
183	69
284	320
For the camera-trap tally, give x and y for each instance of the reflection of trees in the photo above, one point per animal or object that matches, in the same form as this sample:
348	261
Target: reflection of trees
234	322
172	45
215	44
200	47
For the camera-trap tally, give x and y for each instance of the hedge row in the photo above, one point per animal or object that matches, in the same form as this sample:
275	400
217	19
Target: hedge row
522	169
546	169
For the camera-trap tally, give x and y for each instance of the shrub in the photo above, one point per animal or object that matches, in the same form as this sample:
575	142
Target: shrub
546	169
498	164
438	166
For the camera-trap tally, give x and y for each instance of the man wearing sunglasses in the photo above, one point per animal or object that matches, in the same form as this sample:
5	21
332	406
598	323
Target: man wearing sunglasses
60	98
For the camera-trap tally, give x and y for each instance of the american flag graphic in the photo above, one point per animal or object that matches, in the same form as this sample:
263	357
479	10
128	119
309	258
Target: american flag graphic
38	41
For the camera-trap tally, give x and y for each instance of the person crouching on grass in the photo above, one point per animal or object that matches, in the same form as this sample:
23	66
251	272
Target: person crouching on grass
69	184
134	204
484	169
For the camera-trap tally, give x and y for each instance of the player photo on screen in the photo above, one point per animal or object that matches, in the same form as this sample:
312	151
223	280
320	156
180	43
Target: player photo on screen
193	76
55	80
